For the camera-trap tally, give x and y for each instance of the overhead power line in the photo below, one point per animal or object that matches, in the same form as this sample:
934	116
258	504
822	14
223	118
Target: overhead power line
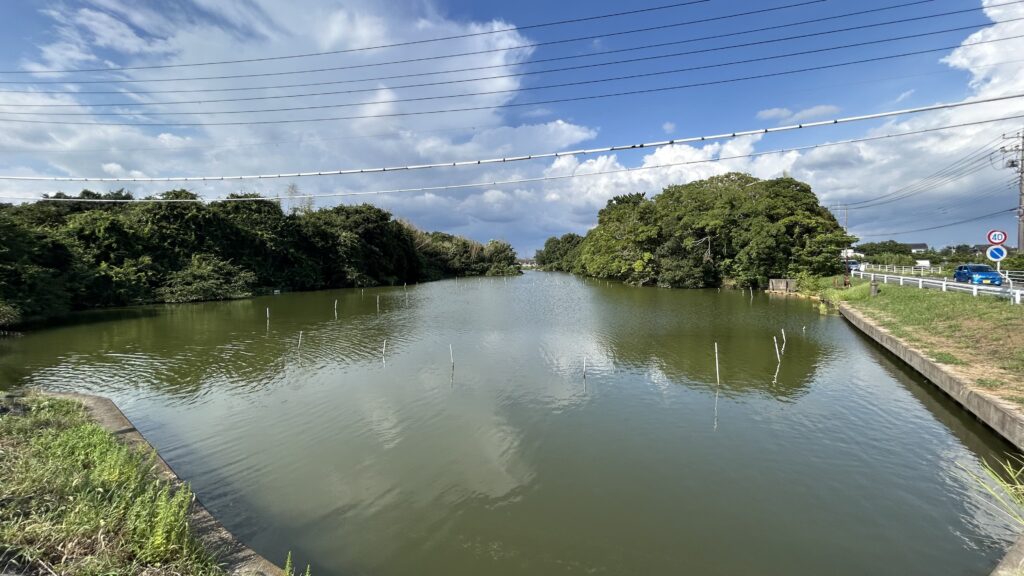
947	225
937	174
517	104
512	75
971	164
524	63
376	47
527	62
575	174
412	131
437	57
503	160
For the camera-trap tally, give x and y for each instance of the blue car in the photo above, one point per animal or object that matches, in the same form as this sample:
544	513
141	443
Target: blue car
977	274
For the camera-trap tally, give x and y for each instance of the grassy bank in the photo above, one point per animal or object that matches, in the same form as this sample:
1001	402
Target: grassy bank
74	500
981	339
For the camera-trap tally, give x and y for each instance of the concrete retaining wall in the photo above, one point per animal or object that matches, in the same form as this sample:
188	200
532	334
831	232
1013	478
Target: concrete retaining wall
234	556
998	414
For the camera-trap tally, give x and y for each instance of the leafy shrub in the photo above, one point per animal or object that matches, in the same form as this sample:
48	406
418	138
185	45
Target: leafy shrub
207	277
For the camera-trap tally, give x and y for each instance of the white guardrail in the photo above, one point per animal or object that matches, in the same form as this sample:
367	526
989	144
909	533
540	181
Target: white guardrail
1012	292
911	270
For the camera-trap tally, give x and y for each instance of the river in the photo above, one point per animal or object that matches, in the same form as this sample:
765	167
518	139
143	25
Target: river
366	459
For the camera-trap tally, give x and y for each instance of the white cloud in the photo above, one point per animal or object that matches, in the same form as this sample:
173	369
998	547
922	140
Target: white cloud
814	113
904	95
668	128
774	113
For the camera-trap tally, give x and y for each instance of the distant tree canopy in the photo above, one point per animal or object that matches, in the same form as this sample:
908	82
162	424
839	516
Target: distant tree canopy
732	226
61	256
886	247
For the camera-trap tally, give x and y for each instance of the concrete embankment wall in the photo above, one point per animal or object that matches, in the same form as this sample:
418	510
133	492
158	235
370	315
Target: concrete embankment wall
998	414
234	556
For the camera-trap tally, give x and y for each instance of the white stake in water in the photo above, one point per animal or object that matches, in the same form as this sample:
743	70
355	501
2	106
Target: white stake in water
335	308
383	351
300	338
451	353
378	303
268	312
718	378
783	340
584	367
778	356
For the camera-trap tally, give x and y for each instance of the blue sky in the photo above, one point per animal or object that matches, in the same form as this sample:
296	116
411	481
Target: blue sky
111	33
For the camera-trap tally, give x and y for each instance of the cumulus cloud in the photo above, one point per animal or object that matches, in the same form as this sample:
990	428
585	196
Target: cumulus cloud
103	30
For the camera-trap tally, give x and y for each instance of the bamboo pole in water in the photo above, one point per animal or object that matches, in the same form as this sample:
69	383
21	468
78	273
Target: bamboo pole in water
383	351
451	354
378	303
778	356
300	339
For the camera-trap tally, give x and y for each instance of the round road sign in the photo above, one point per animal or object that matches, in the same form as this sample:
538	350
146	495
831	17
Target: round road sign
996	236
996	253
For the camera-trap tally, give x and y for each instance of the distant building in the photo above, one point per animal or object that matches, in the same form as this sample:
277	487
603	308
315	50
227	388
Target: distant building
917	248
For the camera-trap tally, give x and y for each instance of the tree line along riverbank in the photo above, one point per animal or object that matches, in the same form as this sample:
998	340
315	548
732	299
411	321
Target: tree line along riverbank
60	256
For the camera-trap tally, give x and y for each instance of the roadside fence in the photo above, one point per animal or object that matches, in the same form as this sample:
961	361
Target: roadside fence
1014	294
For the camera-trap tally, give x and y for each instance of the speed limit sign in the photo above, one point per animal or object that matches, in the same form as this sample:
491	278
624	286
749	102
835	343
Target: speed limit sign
996	237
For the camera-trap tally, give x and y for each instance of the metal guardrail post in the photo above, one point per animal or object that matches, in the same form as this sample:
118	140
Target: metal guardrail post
974	289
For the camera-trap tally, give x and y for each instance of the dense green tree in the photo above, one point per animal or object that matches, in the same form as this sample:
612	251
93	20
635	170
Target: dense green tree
622	244
560	253
732	226
37	272
207	277
78	252
885	247
500	258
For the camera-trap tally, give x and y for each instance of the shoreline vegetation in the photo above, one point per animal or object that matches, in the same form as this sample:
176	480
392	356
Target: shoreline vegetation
59	257
75	500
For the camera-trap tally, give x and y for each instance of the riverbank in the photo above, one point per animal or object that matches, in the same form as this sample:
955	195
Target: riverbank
980	341
967	346
81	492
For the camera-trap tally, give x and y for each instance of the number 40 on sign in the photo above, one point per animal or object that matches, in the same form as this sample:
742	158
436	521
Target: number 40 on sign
996	237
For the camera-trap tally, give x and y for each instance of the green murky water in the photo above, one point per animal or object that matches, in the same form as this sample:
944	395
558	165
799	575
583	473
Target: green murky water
840	461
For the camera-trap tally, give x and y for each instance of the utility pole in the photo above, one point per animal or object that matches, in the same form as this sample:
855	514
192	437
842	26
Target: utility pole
847	250
1017	164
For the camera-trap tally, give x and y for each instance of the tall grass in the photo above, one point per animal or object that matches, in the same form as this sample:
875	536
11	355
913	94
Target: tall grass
1005	484
74	500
